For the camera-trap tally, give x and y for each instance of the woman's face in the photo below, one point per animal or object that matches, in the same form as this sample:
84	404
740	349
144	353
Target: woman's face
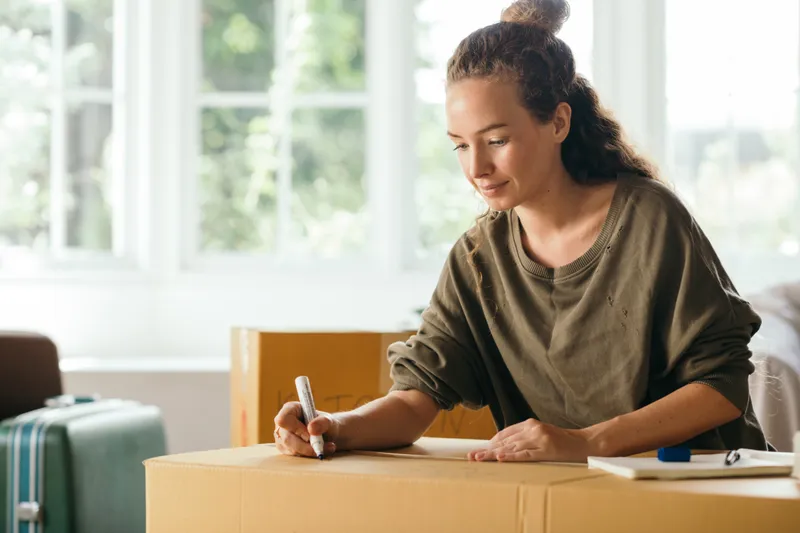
505	153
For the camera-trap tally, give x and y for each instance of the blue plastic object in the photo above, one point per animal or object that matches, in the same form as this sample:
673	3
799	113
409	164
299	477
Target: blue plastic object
678	454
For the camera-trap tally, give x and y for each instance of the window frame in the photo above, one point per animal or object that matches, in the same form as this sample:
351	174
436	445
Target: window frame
217	263
61	260
390	121
159	142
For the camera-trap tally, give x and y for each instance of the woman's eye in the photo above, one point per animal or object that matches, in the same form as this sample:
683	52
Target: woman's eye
498	142
461	146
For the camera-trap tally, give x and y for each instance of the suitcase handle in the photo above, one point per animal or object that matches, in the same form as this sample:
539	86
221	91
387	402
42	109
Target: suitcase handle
65	400
29	512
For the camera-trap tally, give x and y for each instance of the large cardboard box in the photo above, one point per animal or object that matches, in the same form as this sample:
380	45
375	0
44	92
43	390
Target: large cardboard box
420	489
346	370
431	488
611	504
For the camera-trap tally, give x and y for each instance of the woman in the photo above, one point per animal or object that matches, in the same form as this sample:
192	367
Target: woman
587	309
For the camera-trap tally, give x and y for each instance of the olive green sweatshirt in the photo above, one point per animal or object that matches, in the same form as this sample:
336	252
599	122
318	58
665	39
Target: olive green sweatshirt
647	310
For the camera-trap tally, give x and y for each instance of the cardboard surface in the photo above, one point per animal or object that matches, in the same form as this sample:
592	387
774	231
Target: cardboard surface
617	505
346	370
430	488
423	490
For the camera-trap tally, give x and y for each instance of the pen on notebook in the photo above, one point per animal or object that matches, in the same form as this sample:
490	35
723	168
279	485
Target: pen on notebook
732	457
309	412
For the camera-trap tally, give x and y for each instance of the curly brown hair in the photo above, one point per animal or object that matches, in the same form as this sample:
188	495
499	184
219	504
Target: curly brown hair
523	48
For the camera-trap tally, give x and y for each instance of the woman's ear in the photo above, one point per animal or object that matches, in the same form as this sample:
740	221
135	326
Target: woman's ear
561	121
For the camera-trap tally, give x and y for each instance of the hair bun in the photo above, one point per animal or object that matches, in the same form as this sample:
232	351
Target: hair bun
547	15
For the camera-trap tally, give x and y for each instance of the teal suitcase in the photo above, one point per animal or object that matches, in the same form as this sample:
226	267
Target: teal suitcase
76	466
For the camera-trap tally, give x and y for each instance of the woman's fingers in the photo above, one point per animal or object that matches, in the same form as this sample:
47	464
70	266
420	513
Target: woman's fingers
514	430
330	448
320	425
474	455
511	442
291	444
289	418
294	445
521	455
493	454
506	440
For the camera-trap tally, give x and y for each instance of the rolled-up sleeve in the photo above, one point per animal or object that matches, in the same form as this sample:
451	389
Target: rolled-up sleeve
442	359
711	326
720	358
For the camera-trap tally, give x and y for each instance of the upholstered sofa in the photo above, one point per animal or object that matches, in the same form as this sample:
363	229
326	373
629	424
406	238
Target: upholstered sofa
775	384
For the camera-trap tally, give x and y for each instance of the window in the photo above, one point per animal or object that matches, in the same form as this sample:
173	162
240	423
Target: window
733	121
300	130
446	205
59	106
281	120
181	156
282	135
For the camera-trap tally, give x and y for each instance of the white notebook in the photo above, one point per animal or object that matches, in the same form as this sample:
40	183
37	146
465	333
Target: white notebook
751	463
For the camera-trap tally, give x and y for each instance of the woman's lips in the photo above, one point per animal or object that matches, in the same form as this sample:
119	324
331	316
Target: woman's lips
492	189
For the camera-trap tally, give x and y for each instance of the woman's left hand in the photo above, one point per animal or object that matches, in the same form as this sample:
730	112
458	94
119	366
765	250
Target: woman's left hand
532	440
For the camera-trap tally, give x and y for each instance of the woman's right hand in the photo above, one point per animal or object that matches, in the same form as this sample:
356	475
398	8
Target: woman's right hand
292	436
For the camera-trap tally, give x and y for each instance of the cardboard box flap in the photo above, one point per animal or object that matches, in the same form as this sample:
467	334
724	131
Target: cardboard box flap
256	488
429	458
434	448
442	448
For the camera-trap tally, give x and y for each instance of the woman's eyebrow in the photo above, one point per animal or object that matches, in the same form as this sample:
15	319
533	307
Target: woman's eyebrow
481	131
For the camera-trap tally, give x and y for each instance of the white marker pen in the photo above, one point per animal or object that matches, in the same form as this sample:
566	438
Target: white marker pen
309	412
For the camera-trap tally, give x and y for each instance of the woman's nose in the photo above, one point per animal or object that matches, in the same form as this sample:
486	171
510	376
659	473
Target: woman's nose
479	165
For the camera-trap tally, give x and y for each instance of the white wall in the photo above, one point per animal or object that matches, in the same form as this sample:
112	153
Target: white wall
192	317
195	404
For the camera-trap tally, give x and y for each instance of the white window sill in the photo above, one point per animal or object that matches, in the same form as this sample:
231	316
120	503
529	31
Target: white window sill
145	365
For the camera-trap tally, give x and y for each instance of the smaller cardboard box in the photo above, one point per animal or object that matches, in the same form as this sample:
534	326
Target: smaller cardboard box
613	504
426	488
346	370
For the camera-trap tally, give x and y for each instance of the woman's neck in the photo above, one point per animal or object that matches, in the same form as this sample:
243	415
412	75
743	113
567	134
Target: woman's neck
558	205
564	220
